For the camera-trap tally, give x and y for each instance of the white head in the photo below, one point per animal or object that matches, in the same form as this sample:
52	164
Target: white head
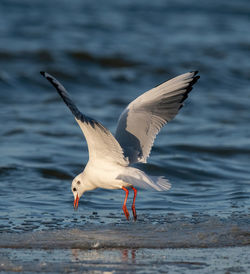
79	186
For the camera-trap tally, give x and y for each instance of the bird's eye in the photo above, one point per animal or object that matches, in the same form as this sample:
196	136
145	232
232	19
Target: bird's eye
74	189
78	182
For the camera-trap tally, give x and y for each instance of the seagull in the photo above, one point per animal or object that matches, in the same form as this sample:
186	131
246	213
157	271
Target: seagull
111	158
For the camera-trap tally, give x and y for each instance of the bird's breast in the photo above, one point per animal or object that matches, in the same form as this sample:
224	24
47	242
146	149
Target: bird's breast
105	176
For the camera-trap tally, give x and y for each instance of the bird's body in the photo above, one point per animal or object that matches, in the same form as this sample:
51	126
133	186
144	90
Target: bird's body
111	157
114	176
102	175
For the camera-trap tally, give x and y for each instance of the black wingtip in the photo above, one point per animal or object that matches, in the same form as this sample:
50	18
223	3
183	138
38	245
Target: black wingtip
195	72
196	78
43	73
190	87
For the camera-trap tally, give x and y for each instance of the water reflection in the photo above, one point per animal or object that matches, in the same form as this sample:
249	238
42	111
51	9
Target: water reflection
127	258
125	255
195	260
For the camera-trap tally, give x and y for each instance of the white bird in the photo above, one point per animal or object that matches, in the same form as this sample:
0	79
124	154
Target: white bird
111	158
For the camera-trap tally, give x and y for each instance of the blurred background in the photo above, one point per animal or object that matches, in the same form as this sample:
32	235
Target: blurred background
106	53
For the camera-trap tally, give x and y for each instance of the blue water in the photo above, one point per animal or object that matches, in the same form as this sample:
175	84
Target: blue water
106	54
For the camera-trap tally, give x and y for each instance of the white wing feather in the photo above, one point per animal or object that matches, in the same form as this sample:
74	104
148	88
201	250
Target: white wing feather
101	143
143	118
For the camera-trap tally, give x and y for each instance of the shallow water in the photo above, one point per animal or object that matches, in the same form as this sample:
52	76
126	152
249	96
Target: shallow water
106	55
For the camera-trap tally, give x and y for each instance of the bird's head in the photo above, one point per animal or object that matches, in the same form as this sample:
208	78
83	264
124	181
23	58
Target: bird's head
80	185
78	189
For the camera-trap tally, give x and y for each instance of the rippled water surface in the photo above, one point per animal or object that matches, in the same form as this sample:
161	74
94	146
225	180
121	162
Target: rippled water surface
106	54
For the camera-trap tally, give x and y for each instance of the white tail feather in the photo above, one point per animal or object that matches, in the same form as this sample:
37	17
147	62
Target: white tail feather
162	183
140	179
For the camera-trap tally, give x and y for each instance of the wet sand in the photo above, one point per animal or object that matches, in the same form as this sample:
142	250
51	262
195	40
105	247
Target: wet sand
195	260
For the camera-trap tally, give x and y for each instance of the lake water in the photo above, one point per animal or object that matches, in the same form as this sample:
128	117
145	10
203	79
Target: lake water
106	54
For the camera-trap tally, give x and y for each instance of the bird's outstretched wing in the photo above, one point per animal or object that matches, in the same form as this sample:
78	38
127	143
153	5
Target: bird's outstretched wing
101	143
143	118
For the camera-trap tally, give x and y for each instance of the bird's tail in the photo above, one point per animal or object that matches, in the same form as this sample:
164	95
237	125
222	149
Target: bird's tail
161	183
140	179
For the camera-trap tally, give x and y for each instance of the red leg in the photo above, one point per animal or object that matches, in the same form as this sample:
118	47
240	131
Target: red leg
133	205
125	210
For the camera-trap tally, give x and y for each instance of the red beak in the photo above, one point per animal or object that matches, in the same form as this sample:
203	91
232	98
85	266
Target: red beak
76	201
